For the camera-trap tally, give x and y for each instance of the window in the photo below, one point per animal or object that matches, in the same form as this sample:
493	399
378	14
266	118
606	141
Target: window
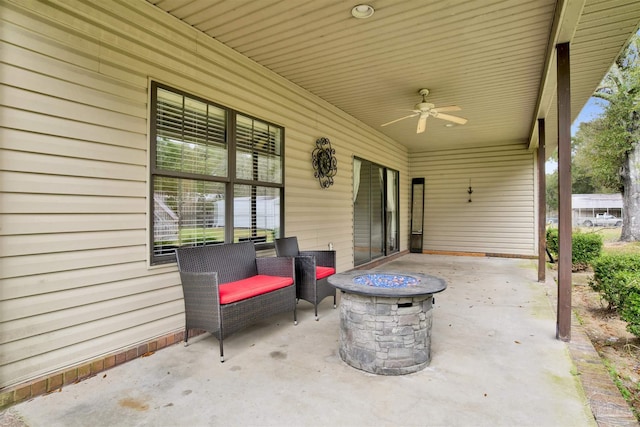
216	175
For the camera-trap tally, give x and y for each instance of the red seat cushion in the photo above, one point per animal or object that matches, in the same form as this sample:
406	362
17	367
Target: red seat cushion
251	287
322	272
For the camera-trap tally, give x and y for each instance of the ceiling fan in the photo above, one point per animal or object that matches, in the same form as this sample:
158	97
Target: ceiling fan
425	109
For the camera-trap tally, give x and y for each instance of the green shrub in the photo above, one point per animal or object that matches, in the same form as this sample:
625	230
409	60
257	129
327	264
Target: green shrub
585	247
630	312
625	284
552	241
613	275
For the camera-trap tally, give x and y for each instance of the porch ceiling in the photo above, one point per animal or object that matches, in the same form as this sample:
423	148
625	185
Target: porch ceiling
493	58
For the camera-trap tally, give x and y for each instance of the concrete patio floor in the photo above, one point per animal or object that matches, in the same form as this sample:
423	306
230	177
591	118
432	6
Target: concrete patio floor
495	362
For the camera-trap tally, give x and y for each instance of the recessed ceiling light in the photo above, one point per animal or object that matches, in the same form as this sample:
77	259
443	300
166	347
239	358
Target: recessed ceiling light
449	125
362	11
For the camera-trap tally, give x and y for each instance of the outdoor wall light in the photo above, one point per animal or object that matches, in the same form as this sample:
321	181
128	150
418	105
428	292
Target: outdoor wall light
470	190
362	11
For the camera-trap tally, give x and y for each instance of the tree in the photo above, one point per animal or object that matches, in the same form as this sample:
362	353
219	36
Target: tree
613	154
585	178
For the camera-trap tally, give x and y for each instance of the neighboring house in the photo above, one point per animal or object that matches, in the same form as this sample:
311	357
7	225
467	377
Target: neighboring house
587	206
267	208
166	221
592	204
103	102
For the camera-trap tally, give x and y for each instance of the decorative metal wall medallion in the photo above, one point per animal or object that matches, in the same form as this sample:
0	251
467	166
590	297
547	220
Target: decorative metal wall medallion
324	162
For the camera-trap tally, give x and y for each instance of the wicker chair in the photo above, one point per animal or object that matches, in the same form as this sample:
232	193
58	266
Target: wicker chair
205	269
312	271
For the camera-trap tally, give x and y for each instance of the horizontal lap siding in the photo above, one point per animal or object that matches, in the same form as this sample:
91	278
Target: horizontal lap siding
74	277
500	217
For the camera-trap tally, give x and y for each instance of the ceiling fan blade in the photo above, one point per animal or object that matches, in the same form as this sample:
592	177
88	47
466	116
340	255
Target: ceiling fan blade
444	109
451	118
422	123
401	118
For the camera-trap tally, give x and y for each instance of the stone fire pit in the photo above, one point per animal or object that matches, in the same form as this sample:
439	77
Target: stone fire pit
385	320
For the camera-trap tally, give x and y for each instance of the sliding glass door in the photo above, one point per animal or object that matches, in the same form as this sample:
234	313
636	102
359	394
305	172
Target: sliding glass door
375	211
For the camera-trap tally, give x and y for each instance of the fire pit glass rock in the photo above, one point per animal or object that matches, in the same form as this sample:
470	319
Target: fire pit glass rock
385	320
385	280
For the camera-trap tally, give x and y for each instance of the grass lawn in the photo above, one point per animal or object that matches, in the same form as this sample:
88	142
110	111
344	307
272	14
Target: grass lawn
622	248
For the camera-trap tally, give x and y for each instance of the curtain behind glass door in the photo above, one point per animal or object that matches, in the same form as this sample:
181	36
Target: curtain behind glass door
377	211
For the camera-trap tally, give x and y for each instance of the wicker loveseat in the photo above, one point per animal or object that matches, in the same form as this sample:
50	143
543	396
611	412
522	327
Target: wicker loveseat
226	288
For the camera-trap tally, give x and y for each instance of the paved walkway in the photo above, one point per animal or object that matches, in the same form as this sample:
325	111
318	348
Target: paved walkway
495	362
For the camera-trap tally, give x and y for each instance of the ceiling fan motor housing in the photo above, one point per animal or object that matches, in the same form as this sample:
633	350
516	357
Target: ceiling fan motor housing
424	106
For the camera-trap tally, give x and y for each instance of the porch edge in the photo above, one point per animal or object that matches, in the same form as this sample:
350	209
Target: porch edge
608	407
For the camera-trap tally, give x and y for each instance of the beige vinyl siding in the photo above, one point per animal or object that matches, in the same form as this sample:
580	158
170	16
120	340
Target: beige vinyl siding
75	280
500	217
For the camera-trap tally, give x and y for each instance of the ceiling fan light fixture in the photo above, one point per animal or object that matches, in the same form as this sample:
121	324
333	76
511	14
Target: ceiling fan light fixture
362	11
